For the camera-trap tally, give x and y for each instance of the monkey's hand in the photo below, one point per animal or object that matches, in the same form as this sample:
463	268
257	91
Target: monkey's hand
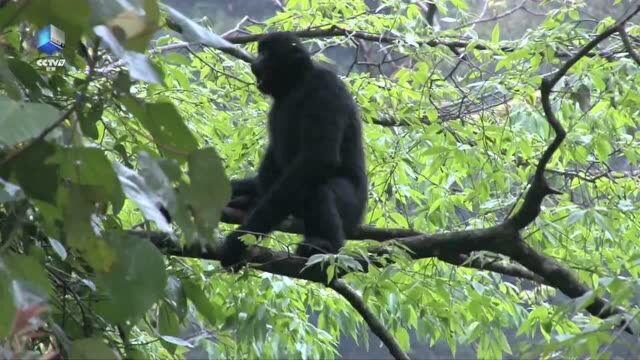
233	215
241	202
233	252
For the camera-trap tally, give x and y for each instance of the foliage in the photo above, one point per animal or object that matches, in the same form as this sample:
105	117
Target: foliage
139	125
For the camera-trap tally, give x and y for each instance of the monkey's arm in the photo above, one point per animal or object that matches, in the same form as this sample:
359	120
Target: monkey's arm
244	192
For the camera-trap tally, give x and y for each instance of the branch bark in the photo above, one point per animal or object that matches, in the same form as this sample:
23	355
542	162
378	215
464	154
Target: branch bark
374	323
452	247
627	44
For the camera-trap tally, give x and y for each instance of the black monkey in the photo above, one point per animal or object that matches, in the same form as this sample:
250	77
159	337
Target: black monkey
314	166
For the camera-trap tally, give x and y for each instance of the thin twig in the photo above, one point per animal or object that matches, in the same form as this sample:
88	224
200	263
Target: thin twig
617	335
194	54
493	18
279	5
369	317
42	135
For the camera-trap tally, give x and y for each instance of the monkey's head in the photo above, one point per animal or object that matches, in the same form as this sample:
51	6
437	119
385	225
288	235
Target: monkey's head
282	63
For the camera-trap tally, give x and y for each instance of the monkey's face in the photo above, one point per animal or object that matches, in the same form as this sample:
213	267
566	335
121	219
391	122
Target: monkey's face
280	63
264	68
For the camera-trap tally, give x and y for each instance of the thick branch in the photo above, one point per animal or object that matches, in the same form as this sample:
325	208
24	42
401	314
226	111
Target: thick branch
627	44
554	273
502	239
462	108
559	277
233	216
495	265
374	323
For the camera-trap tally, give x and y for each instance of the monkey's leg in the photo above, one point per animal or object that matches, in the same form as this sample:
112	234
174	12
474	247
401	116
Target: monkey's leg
323	231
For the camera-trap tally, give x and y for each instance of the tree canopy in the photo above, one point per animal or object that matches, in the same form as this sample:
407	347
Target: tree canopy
502	147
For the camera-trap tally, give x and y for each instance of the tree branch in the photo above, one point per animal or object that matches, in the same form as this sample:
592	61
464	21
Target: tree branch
452	247
334	31
550	270
539	187
369	317
627	44
560	277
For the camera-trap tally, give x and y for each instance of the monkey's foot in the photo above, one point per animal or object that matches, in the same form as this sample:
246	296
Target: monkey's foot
233	252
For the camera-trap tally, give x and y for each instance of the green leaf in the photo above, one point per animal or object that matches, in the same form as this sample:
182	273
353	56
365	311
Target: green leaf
603	149
144	192
136	354
502	341
604	223
88	120
20	121
331	271
168	129
34	160
8	308
201	302
574	14
26	283
90	166
495	34
58	248
136	280
598	81
80	234
27	75
209	190
7	78
168	324
177	297
26	269
177	58
92	348
403	338
166	126
175	341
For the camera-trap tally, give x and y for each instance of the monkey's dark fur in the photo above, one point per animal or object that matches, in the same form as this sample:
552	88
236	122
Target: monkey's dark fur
314	165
